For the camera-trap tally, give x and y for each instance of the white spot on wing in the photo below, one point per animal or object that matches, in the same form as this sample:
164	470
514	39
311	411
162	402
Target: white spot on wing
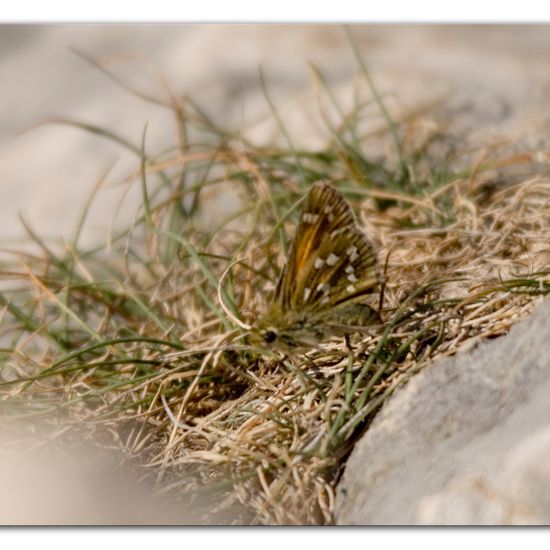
308	217
352	253
323	287
307	292
350	288
350	269
332	259
352	278
318	263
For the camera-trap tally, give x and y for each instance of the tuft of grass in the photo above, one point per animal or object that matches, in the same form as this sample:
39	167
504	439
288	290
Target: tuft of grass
129	345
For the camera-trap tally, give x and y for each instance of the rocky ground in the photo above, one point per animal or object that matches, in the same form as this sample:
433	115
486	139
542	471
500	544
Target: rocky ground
490	82
467	440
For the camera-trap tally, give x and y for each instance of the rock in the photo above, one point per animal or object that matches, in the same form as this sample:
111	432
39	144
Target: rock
467	441
492	81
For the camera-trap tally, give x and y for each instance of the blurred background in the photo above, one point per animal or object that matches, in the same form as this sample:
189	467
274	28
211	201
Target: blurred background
494	81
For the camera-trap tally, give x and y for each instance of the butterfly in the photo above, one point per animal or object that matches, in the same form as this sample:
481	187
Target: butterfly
330	271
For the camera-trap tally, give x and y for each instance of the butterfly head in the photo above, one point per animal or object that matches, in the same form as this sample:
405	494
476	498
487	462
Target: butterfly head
284	331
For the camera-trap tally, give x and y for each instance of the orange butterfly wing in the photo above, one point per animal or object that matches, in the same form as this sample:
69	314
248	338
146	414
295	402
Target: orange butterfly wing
330	261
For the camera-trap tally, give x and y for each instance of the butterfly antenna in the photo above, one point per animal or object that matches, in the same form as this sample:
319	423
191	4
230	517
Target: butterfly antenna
226	309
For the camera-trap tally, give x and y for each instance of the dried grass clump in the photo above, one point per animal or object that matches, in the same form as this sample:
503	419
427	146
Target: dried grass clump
287	434
136	348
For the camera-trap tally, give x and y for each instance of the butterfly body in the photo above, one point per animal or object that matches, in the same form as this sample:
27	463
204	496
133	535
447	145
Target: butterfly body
330	273
292	330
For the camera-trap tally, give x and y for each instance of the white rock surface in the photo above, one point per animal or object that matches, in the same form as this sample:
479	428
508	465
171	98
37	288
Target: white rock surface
467	441
494	80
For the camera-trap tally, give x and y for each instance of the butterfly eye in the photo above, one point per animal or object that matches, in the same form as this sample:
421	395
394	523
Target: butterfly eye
269	336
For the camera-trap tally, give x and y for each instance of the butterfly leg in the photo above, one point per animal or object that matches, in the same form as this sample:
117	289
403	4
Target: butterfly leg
348	343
